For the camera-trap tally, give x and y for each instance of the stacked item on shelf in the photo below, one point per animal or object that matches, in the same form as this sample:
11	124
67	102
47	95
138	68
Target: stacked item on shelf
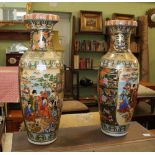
90	45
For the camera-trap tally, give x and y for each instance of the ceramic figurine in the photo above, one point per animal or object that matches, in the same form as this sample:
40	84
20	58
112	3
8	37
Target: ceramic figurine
41	81
118	80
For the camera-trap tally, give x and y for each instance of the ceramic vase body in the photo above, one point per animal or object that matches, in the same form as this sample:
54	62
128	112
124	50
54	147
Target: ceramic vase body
118	80
41	82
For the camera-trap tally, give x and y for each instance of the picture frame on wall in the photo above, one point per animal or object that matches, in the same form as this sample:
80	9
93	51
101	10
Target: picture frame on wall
91	21
151	17
121	16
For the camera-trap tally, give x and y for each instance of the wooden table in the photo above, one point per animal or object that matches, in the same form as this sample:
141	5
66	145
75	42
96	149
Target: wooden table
90	138
81	132
66	121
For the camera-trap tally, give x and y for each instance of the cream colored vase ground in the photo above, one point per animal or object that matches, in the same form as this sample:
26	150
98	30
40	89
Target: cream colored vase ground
118	80
41	81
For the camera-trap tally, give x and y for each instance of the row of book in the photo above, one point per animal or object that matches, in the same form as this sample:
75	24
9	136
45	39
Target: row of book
90	45
82	63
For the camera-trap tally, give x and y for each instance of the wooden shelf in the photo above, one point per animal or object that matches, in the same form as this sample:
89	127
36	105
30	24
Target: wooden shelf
90	52
10	23
14	35
86	69
136	53
90	33
93	86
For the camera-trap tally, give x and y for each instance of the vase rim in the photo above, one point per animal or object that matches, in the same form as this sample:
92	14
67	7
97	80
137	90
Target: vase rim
41	16
121	22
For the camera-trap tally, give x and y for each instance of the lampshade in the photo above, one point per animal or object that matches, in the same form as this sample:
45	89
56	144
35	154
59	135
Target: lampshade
55	42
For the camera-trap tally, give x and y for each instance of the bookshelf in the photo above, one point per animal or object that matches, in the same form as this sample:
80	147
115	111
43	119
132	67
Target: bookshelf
87	50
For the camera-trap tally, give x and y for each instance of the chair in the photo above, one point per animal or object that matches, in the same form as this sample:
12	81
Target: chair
144	110
8	93
71	104
148	95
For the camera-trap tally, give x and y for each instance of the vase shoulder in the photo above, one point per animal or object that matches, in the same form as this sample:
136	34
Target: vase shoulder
49	59
115	59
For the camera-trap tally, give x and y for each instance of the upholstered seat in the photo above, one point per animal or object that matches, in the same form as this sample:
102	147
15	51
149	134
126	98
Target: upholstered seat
70	104
74	106
145	92
144	110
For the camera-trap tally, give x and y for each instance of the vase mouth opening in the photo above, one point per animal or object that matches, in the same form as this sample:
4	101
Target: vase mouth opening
40	21
41	17
130	23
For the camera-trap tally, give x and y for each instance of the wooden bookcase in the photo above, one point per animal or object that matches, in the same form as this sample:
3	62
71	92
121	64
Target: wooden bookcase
91	72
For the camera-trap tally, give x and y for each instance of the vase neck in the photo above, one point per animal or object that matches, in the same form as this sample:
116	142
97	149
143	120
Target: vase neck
120	39
41	39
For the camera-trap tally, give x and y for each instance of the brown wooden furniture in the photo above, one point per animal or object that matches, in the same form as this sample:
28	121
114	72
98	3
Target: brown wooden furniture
90	138
68	87
92	55
10	23
2	123
12	59
146	94
138	38
70	98
145	109
148	84
13	120
14	35
14	115
2	130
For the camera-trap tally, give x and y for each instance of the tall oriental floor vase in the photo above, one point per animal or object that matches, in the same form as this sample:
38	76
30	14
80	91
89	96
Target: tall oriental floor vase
41	81
118	80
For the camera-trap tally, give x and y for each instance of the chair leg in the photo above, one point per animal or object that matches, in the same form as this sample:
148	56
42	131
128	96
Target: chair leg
152	105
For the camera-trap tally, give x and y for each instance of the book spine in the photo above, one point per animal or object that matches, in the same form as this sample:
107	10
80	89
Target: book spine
76	61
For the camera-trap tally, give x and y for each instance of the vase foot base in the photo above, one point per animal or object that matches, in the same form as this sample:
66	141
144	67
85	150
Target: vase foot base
44	143
113	134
